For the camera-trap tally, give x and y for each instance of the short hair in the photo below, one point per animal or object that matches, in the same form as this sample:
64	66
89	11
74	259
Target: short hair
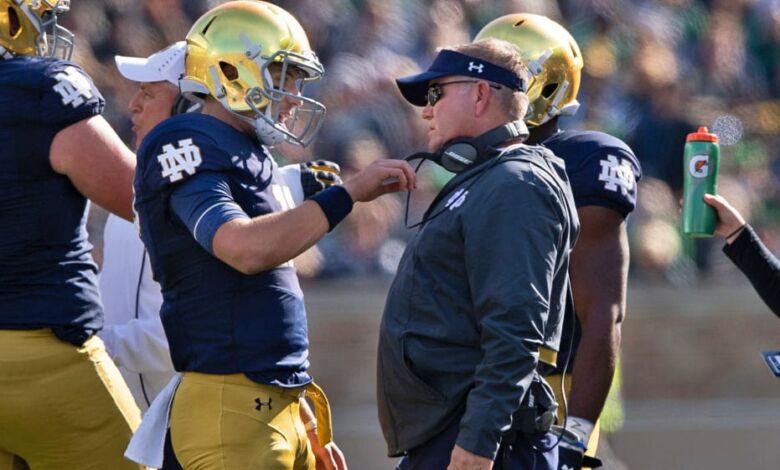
503	54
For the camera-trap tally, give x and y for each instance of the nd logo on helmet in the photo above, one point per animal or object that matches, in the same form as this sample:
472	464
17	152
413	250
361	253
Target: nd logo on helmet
699	166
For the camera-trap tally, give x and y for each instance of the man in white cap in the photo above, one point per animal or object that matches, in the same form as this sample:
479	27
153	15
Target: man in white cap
133	333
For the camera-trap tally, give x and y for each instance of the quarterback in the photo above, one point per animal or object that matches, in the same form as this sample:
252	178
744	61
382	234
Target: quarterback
63	403
220	229
603	172
133	333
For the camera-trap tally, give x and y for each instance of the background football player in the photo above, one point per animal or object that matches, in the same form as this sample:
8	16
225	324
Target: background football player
603	172
220	230
63	403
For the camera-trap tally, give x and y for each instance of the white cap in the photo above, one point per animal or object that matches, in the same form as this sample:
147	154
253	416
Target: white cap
166	65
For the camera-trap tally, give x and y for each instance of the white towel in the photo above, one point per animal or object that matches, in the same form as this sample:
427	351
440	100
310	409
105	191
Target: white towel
148	443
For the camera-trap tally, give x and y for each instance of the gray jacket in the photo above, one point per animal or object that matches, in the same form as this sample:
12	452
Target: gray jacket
480	288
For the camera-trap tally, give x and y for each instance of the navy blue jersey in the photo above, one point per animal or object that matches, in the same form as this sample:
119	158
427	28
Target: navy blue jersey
603	171
47	276
217	319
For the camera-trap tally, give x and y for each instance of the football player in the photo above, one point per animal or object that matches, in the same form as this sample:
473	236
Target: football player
603	172
133	333
63	403
220	229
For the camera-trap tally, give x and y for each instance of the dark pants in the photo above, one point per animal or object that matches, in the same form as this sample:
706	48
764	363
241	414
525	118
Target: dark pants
527	452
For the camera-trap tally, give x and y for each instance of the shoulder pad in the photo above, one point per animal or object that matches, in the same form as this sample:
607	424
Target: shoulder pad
178	148
602	169
68	94
48	91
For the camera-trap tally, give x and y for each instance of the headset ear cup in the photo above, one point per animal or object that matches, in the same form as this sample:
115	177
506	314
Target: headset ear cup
184	105
459	156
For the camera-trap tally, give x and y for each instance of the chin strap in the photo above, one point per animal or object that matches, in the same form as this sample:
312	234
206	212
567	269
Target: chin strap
266	132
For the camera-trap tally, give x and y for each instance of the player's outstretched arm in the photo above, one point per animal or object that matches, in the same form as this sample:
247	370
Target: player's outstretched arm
599	272
381	177
98	164
261	243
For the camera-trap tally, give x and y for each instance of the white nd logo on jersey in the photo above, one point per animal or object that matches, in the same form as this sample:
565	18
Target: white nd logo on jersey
174	161
73	87
617	174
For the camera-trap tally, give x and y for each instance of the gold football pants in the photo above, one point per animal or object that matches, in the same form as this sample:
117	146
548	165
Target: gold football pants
227	422
62	407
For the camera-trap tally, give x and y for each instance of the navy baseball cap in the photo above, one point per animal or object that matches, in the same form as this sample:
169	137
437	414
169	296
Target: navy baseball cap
448	62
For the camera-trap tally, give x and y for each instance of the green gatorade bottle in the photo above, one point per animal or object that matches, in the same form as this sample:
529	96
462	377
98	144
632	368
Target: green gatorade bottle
700	176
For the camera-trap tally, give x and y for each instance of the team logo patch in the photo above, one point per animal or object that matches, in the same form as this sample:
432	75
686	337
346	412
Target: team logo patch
699	166
457	199
73	87
617	175
175	161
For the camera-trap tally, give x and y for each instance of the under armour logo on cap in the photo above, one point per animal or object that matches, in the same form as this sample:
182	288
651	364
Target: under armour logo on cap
478	68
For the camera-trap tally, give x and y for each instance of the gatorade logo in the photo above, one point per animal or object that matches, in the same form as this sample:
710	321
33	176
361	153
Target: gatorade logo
700	166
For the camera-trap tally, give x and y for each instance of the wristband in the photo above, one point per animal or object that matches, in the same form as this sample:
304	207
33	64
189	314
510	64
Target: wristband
311	425
735	232
581	427
335	202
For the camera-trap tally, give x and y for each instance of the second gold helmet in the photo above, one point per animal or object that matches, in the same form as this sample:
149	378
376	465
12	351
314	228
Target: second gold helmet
553	58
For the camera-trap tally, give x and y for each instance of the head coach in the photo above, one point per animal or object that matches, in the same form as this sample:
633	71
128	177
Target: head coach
473	318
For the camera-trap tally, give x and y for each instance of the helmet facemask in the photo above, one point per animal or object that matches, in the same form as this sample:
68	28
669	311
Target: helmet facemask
33	29
266	102
54	40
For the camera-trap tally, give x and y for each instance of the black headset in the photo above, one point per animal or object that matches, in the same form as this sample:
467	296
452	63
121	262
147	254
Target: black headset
460	154
184	105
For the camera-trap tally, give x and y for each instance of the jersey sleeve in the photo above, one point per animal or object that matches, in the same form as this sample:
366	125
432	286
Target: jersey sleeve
174	152
607	177
203	203
68	95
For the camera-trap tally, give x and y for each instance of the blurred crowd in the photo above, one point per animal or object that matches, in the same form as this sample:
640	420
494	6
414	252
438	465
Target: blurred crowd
654	71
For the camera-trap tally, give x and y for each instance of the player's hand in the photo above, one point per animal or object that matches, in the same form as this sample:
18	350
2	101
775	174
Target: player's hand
329	456
318	175
461	459
380	177
729	219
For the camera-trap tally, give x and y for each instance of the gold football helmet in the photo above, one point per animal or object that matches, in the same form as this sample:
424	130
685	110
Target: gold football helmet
553	58
29	27
237	51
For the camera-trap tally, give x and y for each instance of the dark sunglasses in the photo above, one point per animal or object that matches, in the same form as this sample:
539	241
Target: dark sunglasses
434	93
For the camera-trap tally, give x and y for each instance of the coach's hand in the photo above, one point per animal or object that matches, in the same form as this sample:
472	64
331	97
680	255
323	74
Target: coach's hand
318	175
380	177
461	459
